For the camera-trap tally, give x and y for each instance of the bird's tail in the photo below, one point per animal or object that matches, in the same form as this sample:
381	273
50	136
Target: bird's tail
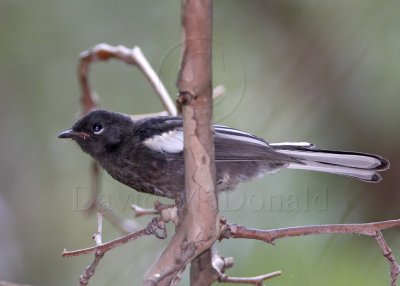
361	166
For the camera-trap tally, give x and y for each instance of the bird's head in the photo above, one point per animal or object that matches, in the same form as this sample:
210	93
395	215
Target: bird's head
99	131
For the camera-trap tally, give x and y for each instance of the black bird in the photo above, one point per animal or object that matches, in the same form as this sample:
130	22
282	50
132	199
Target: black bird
147	154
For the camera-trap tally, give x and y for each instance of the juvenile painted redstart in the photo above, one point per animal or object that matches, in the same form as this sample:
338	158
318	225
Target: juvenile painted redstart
147	154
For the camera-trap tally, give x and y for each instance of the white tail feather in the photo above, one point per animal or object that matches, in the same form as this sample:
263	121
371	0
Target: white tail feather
362	174
345	160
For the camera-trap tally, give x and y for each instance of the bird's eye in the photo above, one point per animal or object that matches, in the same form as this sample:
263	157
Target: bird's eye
97	128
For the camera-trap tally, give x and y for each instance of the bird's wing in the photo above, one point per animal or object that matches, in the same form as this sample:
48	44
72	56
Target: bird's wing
235	145
165	135
161	134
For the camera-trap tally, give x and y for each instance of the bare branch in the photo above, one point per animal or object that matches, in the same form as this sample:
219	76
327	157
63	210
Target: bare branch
90	269
368	229
202	269
139	211
387	253
107	245
124	225
255	280
104	52
220	264
151	228
97	237
269	236
198	226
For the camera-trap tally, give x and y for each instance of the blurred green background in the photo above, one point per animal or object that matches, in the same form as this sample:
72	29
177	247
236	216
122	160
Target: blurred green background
327	72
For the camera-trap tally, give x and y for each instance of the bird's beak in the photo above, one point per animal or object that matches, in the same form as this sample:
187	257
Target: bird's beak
70	133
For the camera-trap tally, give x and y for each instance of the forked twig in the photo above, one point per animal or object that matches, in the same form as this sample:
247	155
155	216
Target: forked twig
108	245
269	236
91	268
104	52
387	253
368	229
153	227
220	264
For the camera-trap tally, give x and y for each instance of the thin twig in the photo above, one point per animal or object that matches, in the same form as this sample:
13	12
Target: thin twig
124	225
368	229
139	211
104	52
155	81
152	228
269	236
91	268
97	237
107	245
167	212
197	229
387	253
220	264
254	280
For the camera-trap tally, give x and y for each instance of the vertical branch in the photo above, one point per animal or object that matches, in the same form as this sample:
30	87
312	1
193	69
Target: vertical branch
195	88
202	272
195	99
199	225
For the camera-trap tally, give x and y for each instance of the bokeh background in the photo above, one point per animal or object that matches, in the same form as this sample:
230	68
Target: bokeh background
327	72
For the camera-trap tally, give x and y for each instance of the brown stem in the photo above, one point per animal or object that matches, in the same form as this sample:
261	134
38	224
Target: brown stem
198	228
152	227
387	253
90	269
255	280
202	272
108	245
368	229
269	236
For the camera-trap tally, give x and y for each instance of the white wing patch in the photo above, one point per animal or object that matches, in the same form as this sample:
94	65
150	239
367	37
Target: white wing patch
172	141
169	142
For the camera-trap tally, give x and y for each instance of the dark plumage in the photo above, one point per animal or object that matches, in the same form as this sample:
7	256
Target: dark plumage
147	154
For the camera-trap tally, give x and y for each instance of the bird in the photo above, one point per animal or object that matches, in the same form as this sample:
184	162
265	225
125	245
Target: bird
147	154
